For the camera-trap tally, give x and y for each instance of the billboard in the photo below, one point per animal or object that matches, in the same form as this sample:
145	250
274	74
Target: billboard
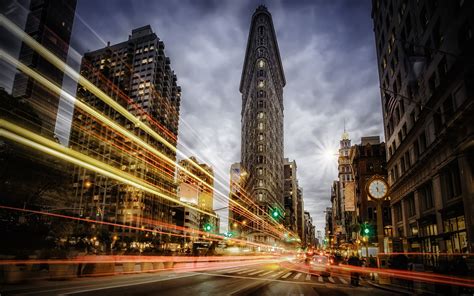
349	196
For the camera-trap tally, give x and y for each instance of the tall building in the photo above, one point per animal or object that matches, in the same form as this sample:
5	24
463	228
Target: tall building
368	159
343	208
290	195
237	179
300	214
137	74
328	229
425	51
337	203
262	114
309	230
199	193
49	22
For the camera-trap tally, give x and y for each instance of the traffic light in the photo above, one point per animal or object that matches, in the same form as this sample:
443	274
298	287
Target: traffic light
275	213
366	230
207	227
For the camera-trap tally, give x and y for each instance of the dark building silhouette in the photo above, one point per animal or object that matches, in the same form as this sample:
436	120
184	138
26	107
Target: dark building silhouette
262	115
50	24
425	58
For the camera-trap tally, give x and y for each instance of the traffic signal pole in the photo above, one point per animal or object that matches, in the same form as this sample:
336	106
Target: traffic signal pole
380	234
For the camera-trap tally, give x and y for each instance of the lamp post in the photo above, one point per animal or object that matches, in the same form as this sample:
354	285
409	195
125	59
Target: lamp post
377	189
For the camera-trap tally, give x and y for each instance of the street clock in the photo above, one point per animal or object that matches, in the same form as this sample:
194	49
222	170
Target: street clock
377	188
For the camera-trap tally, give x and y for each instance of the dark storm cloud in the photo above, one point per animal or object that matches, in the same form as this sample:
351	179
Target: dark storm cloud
328	55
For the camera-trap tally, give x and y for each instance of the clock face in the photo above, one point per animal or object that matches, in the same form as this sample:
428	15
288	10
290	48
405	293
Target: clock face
378	189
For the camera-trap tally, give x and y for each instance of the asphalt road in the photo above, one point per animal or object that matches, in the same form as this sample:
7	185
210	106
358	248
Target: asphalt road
261	279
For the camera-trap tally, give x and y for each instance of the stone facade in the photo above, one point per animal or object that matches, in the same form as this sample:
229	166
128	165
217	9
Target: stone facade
425	51
262	115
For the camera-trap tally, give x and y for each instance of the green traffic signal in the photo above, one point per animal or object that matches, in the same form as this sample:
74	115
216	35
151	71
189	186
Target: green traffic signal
275	214
366	230
207	227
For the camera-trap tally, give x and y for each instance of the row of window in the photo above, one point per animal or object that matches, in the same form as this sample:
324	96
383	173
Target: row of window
450	189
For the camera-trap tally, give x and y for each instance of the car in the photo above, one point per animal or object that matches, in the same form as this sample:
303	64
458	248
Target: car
300	256
320	265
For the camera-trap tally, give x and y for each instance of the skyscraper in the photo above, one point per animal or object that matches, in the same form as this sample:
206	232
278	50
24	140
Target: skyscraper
49	23
261	86
137	74
290	195
425	51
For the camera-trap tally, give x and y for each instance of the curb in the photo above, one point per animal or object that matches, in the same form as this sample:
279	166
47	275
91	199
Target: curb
390	289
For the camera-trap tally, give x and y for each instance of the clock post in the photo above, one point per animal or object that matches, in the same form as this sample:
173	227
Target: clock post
377	189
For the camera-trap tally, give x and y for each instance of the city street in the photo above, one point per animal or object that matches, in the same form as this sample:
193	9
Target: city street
278	147
261	279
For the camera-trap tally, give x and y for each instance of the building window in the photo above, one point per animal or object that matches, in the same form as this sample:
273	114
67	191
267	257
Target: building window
426	195
410	202
261	115
260	137
451	181
260	171
261	63
260	148
398	212
260	125
261	83
260	183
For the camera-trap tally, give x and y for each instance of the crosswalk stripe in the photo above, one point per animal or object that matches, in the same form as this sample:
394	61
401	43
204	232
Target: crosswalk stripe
342	280
246	270
233	269
286	275
258	271
331	280
320	279
240	269
298	276
263	274
308	277
277	274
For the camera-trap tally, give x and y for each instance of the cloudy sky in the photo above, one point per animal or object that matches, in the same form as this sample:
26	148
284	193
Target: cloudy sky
328	54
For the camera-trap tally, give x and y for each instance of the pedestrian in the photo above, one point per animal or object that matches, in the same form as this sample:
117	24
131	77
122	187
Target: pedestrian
354	261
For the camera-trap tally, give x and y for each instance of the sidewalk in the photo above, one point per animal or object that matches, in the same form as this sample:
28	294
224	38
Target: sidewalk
389	288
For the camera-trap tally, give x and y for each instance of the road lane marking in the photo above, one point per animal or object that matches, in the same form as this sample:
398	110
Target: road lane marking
287	275
342	280
297	276
320	279
268	272
266	279
331	280
254	273
119	286
308	277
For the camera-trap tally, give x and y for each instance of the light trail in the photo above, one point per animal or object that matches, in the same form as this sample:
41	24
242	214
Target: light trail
216	237
27	138
409	275
116	106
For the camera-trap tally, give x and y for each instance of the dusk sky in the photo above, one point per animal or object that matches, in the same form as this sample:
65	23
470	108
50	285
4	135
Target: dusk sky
328	54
